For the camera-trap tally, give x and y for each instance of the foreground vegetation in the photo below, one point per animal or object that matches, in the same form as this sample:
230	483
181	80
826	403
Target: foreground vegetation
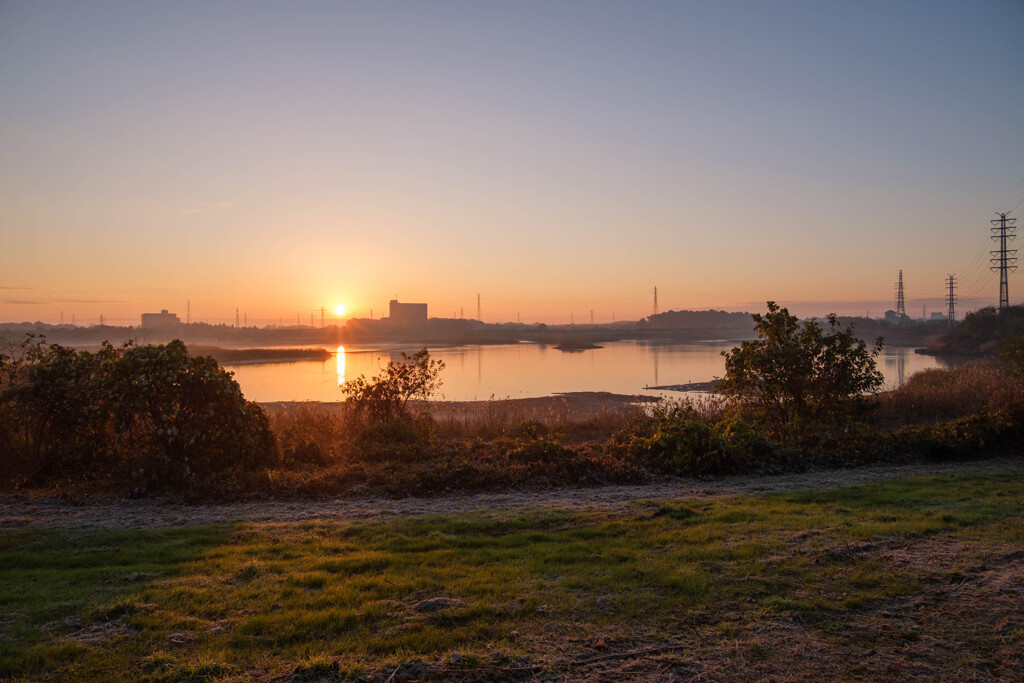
916	579
136	420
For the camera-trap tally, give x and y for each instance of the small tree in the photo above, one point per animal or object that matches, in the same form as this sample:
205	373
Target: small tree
795	374
384	397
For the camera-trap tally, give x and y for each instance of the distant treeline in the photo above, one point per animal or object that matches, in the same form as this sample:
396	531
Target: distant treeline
670	325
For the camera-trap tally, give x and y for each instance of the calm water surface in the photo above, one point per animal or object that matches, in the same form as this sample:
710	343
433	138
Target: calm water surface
527	370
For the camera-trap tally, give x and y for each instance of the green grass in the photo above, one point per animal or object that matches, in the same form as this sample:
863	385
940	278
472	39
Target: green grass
320	600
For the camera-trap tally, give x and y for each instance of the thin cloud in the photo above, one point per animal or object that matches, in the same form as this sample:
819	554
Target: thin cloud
19	288
23	302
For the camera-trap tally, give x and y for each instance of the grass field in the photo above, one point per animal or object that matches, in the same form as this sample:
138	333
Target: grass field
909	579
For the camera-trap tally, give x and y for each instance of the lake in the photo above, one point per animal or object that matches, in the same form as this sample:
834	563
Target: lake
526	370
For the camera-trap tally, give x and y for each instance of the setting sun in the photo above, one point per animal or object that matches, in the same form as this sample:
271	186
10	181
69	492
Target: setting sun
339	310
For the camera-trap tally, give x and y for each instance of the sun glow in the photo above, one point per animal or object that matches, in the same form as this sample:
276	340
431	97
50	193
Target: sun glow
339	310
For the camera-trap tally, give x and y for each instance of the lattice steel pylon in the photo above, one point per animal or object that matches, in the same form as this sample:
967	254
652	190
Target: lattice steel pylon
951	299
1003	259
901	308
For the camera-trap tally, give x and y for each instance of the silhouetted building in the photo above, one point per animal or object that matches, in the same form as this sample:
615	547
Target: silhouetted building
161	319
895	318
407	315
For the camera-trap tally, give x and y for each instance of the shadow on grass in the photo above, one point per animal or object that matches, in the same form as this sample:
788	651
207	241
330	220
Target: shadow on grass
67	596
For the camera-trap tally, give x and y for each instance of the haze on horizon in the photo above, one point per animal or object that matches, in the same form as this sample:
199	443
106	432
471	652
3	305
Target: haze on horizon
556	158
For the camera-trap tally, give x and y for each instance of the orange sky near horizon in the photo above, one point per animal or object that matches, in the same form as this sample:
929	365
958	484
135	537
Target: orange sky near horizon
557	160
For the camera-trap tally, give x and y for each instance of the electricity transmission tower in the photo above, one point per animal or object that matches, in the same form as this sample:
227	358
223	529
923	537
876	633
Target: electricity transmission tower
901	308
479	316
1003	259
655	301
951	299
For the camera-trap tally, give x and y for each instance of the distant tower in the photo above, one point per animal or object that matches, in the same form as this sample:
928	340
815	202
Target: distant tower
62	317
951	299
311	320
245	320
101	320
479	316
236	316
655	301
901	309
1003	230
321	316
591	316
188	312
461	313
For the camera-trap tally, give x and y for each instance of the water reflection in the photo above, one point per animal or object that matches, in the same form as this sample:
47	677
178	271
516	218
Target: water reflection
521	370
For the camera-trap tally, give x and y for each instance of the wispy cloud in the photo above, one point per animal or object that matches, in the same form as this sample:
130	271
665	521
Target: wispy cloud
19	288
23	302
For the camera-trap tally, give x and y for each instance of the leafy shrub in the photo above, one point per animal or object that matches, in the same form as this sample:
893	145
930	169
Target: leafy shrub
385	397
677	441
796	380
152	415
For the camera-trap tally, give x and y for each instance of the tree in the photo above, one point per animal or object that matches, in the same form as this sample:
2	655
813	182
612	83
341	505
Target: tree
384	397
797	375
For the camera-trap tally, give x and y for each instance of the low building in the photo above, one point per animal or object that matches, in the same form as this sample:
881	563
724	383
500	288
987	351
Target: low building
163	319
407	315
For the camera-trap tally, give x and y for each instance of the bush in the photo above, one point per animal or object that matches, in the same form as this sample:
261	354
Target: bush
385	397
796	380
153	416
677	441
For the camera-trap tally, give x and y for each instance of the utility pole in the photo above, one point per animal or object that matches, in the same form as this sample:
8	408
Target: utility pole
591	316
901	309
245	320
1004	260
236	316
479	316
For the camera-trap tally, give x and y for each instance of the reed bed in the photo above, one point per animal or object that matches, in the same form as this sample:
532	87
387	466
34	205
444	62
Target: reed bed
938	395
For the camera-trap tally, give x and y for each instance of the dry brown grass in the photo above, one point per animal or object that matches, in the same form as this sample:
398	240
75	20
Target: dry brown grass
938	395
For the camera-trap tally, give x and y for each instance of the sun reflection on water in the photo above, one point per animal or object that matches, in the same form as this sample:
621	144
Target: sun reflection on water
341	365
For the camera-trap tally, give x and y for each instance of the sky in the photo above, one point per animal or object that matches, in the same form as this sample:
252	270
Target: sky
555	158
